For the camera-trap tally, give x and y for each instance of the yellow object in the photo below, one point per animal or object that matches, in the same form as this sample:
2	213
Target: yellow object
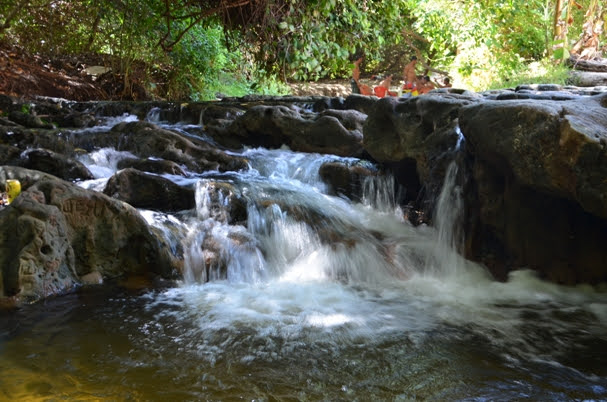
13	188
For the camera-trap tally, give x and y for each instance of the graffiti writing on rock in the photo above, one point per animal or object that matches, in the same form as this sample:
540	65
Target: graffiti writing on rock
79	211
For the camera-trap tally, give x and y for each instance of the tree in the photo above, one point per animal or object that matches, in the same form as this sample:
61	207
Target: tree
588	44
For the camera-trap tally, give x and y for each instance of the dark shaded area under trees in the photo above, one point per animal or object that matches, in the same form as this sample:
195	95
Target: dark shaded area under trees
192	50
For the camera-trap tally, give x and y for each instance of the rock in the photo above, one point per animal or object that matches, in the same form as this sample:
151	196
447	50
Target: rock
548	146
345	179
598	65
59	165
274	126
216	253
75	120
9	155
152	166
539	169
220	201
421	128
512	225
266	126
54	233
361	103
93	278
24	139
588	79
148	140
147	191
28	120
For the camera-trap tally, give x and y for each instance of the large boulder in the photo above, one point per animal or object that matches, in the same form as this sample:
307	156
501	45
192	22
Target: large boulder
416	138
56	234
559	148
421	128
539	170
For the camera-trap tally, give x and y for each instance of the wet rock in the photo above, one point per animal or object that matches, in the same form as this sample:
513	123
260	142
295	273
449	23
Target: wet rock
9	155
59	165
221	201
345	179
521	227
215	254
55	233
28	120
25	139
548	146
422	128
75	120
147	191
539	169
146	140
152	166
274	126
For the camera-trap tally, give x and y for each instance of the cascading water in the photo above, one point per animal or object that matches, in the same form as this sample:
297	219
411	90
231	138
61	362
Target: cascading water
315	297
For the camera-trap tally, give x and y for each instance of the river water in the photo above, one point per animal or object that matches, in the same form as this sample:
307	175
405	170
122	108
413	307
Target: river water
315	298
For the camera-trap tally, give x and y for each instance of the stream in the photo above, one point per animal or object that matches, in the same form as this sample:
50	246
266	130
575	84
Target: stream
315	298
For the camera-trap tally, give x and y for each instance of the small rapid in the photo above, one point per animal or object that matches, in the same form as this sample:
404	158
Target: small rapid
317	297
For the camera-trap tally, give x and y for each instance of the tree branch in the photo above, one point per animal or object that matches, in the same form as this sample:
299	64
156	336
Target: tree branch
407	34
167	45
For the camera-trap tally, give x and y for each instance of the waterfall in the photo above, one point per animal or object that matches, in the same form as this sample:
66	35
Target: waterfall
315	296
379	192
448	219
215	250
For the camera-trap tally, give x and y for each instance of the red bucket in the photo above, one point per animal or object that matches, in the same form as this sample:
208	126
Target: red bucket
380	92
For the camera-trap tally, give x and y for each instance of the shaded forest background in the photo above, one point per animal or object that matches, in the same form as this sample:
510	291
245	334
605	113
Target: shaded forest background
195	49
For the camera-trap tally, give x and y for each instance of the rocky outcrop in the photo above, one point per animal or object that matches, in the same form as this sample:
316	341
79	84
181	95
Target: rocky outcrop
145	140
539	169
533	162
333	132
555	147
56	233
536	160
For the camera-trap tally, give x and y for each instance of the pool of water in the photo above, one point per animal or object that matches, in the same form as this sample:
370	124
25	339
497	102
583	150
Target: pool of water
426	338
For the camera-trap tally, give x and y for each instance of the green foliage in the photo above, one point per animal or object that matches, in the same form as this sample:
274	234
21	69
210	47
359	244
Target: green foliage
317	39
540	72
194	50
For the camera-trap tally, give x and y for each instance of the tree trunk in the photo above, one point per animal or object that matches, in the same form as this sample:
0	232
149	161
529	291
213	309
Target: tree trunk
588	65
588	79
558	9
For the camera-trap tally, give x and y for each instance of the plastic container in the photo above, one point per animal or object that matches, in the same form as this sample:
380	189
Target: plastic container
13	188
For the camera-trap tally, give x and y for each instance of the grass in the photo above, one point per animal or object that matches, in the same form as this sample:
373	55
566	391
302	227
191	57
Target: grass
540	72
